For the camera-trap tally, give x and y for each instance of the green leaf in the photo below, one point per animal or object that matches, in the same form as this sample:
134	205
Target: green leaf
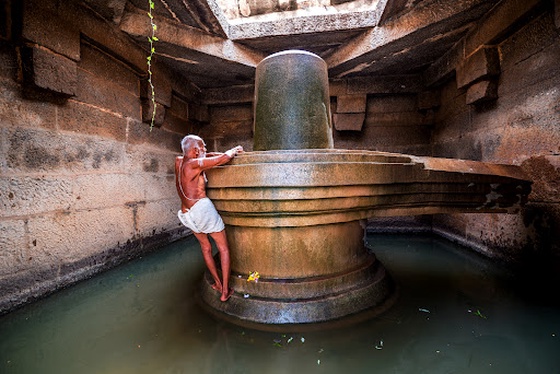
155	38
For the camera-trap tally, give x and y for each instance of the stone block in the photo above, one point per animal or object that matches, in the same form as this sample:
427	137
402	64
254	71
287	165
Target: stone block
139	134
81	118
27	196
13	244
481	92
199	112
338	87
483	64
72	236
392	119
43	25
429	100
107	95
162	88
148	113
108	67
557	13
17	111
231	113
110	9
351	103
391	104
29	150
157	217
48	70
348	121
402	84
101	191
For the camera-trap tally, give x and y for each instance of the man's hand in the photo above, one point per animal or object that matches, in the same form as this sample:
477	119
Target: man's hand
234	151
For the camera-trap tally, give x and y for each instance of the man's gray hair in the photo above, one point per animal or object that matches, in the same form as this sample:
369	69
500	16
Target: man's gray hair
189	142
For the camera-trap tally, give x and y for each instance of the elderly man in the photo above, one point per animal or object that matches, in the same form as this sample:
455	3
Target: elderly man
197	211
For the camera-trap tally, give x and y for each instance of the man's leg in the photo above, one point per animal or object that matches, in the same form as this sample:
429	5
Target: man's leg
206	248
221	242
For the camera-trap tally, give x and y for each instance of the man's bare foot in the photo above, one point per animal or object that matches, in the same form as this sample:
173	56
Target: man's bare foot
217	287
225	297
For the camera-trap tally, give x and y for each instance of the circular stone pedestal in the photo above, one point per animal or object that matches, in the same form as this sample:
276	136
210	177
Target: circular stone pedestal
308	275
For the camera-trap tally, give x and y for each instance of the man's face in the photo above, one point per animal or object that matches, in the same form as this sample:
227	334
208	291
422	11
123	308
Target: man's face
201	149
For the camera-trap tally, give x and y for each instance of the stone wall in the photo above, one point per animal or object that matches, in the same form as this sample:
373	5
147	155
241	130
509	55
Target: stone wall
84	183
518	125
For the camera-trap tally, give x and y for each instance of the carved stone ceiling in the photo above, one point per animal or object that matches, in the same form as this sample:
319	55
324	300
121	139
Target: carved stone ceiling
218	43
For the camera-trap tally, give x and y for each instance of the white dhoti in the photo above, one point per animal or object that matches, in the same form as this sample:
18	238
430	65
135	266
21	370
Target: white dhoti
202	217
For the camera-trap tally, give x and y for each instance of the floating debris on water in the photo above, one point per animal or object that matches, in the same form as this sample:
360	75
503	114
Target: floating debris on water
424	310
253	276
478	313
379	345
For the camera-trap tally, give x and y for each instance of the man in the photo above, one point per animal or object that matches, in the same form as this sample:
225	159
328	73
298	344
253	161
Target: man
197	211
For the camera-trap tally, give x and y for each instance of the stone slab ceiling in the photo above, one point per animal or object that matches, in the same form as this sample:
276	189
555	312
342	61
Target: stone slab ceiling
218	43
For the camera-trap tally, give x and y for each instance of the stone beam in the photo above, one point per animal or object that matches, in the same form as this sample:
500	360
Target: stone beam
493	27
229	95
391	9
422	22
189	41
294	23
207	14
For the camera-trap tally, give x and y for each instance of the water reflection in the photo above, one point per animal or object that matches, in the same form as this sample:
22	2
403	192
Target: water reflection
456	314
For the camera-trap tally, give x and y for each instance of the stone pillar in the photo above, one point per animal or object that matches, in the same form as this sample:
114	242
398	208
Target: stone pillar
292	104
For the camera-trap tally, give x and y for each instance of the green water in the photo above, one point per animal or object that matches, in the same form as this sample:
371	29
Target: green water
456	314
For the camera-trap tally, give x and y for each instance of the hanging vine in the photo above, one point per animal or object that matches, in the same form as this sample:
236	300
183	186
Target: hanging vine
152	39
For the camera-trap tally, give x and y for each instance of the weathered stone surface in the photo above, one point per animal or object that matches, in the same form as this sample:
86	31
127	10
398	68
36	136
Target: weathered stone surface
44	23
81	118
287	206
162	88
229	95
498	23
107	95
481	92
300	116
156	217
111	9
557	13
50	71
351	103
26	196
139	134
89	229
37	151
148	113
198	112
13	241
16	111
483	64
429	100
348	121
108	68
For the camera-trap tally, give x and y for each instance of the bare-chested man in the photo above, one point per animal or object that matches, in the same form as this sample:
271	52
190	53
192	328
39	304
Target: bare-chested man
197	211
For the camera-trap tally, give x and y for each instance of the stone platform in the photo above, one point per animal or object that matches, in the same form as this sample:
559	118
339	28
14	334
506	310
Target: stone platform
297	218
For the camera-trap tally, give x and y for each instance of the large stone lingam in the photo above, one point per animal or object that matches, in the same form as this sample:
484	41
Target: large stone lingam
295	208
